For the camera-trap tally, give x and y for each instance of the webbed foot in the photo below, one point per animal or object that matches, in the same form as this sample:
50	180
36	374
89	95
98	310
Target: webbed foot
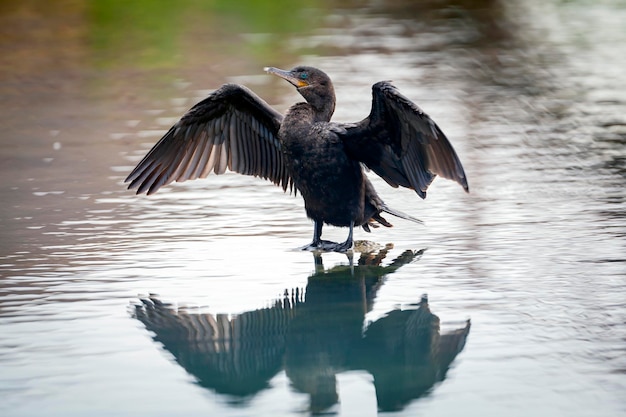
320	246
342	247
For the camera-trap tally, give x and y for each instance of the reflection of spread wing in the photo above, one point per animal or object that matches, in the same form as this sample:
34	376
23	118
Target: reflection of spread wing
235	356
407	355
451	344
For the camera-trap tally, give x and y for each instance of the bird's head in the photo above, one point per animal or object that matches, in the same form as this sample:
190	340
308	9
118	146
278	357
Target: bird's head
313	84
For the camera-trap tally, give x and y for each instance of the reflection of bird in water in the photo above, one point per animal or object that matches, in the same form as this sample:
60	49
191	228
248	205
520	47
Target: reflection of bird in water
233	128
314	335
328	328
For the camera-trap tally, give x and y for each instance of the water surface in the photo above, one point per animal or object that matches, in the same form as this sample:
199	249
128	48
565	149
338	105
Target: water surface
194	301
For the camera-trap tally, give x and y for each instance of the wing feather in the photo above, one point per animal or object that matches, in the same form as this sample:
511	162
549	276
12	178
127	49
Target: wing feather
238	162
232	129
222	164
232	133
203	143
190	167
210	158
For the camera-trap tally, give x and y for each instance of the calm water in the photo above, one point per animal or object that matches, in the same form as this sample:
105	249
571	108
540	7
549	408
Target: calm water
193	301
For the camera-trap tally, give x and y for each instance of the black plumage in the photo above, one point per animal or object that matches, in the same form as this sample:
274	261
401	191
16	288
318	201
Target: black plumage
303	151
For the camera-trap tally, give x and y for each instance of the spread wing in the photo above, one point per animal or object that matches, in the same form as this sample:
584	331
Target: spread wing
400	143
232	128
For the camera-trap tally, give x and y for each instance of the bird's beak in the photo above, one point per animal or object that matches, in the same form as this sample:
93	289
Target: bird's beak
286	75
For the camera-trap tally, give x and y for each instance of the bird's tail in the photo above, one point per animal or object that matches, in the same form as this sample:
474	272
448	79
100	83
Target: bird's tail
399	214
380	219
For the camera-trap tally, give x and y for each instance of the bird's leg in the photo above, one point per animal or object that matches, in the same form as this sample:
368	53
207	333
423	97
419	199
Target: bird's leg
318	243
317	233
347	245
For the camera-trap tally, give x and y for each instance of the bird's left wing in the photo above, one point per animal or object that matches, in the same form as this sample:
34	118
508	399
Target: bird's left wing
232	128
401	143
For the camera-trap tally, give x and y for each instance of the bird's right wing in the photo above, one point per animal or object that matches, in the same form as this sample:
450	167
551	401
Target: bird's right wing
232	128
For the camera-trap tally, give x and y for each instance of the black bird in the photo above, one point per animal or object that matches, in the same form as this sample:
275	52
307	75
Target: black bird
303	151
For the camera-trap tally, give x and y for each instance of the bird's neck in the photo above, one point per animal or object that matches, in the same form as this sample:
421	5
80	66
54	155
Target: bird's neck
323	110
322	103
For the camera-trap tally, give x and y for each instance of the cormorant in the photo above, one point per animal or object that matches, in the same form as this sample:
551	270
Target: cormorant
304	151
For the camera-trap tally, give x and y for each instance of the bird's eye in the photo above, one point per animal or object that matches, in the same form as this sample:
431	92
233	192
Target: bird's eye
304	76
